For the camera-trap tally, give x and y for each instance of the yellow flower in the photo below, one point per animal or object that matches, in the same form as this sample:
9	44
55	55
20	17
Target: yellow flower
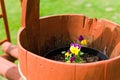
67	54
83	42
74	50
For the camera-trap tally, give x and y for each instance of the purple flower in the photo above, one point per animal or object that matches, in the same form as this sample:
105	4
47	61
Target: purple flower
80	38
72	59
75	45
68	51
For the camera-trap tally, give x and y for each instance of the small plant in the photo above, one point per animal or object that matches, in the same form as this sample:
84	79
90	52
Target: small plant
73	55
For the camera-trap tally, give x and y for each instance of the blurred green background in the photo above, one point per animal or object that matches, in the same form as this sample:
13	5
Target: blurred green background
109	9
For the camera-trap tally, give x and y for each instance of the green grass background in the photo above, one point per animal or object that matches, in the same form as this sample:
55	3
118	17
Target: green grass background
109	9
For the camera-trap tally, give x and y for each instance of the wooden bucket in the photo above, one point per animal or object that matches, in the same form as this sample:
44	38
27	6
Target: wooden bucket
38	36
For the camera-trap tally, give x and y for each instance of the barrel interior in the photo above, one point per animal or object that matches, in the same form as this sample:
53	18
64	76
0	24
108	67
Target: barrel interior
61	30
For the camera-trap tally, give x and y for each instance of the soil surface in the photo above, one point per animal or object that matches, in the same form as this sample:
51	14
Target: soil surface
90	55
87	58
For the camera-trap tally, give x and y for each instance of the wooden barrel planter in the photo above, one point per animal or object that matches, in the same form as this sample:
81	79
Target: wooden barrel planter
38	36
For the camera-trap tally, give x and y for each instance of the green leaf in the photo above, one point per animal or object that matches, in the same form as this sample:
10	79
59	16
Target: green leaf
63	52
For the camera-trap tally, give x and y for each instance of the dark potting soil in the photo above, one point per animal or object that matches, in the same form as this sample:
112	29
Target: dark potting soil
90	55
87	58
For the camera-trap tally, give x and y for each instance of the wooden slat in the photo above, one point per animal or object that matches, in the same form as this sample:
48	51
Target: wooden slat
2	41
9	70
10	49
21	2
113	69
1	16
8	57
49	70
22	54
30	20
2	4
87	71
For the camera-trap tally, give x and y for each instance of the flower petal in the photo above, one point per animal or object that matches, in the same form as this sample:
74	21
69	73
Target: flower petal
80	38
67	54
72	59
83	42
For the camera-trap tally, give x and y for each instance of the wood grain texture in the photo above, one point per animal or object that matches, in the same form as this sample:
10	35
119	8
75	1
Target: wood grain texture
9	70
10	49
38	36
30	20
113	69
61	30
90	71
22	55
48	69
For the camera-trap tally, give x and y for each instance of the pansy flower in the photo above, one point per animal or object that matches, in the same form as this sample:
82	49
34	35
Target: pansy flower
74	53
72	59
75	48
80	38
67	54
83	41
